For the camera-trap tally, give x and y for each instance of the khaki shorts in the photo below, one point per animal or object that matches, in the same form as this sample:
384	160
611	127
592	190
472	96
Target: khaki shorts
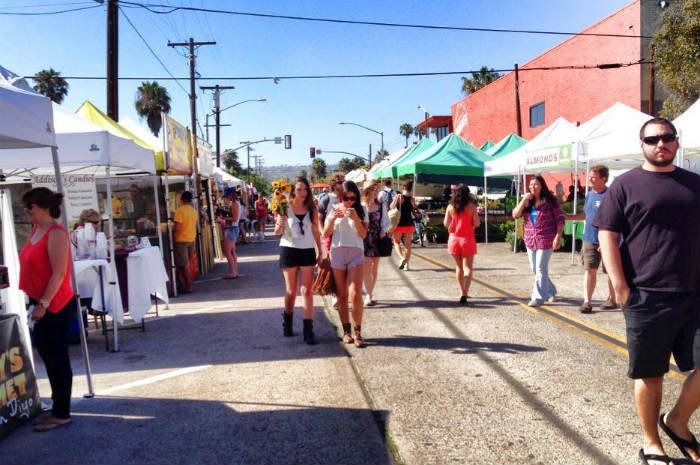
590	256
183	251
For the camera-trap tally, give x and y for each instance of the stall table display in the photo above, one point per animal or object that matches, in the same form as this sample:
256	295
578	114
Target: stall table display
146	277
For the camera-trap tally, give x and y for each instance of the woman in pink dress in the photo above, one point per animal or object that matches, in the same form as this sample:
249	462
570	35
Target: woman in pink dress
461	218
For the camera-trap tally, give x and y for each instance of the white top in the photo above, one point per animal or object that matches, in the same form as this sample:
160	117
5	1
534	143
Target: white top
345	234
292	235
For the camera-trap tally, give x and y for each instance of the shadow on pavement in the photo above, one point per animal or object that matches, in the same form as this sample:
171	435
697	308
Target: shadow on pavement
457	346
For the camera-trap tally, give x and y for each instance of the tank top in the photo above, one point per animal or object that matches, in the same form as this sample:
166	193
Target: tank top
463	224
297	232
35	271
406	209
260	209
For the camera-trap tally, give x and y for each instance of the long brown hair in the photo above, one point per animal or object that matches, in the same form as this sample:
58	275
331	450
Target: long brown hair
545	193
309	201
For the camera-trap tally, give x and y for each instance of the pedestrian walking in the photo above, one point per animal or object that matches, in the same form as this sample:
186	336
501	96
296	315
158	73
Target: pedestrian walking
301	238
346	224
377	228
649	225
403	234
461	218
45	264
229	217
543	225
184	235
590	249
387	194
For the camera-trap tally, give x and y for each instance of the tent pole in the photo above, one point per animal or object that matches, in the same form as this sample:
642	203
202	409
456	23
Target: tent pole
170	235
486	212
110	220
81	325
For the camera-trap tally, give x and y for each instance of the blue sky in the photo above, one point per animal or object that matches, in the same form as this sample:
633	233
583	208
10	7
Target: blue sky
75	43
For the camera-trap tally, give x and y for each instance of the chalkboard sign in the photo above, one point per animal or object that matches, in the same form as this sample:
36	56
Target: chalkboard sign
19	396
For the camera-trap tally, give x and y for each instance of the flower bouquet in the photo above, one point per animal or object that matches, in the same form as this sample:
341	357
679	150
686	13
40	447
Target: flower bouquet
279	203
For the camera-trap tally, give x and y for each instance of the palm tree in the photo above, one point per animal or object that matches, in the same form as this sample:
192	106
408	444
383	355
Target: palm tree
50	83
151	100
318	168
406	130
480	79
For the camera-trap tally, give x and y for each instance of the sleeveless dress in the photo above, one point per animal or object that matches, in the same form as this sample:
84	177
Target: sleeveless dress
374	228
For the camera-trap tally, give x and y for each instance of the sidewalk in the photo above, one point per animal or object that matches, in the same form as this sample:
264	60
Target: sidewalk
212	381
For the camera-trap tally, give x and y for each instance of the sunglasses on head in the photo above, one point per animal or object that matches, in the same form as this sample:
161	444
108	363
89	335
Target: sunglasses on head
653	140
349	197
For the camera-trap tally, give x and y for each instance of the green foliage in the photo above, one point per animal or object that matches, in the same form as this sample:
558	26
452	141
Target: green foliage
508	229
676	53
151	100
50	83
231	163
479	79
345	165
406	129
436	233
318	169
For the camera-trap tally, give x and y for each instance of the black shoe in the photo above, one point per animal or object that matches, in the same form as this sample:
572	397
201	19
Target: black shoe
463	300
287	324
309	336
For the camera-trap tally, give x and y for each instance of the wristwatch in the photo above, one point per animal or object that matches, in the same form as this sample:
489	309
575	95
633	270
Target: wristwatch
44	303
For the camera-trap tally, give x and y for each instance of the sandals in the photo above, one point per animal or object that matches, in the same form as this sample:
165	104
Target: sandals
51	423
42	417
682	444
359	342
644	458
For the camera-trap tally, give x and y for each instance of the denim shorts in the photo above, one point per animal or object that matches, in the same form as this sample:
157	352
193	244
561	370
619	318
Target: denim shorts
231	233
659	324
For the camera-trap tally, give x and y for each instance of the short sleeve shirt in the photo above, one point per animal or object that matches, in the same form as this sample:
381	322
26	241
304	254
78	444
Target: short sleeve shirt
186	218
658	217
590	208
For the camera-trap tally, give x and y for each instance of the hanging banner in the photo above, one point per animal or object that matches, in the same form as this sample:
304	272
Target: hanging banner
79	192
178	157
206	162
550	157
19	396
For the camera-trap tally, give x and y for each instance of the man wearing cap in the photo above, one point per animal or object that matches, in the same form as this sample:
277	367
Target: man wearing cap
184	235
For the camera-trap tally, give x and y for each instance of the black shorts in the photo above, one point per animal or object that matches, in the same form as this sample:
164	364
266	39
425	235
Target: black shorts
291	257
659	324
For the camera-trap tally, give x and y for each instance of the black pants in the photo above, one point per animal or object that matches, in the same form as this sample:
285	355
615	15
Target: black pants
51	339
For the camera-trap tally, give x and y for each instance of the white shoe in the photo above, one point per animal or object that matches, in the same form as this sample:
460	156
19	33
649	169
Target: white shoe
534	303
551	300
405	267
368	300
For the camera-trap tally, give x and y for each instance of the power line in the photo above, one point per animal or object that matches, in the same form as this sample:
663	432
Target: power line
168	9
151	50
602	66
56	12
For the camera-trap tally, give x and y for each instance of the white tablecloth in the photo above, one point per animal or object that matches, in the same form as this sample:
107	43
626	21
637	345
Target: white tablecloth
87	276
146	275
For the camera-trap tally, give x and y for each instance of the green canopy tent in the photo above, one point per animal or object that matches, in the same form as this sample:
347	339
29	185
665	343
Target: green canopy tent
450	161
506	145
389	171
486	145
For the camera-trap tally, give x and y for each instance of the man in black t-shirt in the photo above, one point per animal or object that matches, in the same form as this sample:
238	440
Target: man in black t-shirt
649	233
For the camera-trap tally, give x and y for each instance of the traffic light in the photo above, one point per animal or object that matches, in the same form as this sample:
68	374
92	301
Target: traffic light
288	141
312	152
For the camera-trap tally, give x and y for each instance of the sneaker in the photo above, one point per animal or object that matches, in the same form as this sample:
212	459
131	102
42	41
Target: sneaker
367	300
534	303
405	268
609	305
402	264
585	308
551	300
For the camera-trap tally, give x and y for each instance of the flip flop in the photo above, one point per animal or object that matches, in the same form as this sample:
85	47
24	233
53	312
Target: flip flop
653	457
682	444
51	423
230	277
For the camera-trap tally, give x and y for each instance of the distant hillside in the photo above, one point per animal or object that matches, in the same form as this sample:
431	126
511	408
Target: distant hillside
288	171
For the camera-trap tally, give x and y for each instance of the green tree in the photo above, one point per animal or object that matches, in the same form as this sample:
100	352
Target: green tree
231	163
379	156
303	174
151	100
479	79
359	162
419	131
345	165
406	130
50	83
676	51
318	169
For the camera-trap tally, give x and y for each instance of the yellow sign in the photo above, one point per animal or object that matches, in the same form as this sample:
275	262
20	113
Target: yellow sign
178	159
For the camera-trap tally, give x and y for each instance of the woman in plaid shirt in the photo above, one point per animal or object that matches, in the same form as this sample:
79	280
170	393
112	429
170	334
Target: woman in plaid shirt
544	223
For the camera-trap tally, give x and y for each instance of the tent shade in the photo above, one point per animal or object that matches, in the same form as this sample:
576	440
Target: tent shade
688	126
505	146
451	156
486	145
389	171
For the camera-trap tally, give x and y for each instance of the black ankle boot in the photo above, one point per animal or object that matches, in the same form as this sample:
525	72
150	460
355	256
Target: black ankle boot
309	336
287	324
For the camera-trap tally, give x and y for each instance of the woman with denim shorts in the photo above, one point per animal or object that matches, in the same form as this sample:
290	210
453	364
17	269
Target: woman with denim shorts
231	230
544	223
461	218
346	222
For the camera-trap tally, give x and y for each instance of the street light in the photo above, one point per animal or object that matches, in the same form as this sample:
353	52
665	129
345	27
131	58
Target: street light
425	120
374	131
217	113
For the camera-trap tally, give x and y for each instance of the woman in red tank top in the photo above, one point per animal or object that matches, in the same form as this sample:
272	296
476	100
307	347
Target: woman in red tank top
461	218
45	262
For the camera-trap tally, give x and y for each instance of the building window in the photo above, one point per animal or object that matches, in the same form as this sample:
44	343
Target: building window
537	114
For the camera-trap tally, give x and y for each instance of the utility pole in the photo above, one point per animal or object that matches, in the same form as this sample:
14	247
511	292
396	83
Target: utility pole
113	59
518	117
193	100
207	126
217	112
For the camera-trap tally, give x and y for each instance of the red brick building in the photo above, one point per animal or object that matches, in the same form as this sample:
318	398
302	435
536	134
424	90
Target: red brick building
575	94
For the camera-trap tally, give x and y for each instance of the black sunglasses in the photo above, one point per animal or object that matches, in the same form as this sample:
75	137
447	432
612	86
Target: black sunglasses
349	197
653	140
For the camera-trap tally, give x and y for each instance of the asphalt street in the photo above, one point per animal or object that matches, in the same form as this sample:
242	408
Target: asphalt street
212	380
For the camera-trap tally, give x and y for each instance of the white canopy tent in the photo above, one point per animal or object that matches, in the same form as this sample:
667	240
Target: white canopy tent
688	126
226	179
27	123
357	176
